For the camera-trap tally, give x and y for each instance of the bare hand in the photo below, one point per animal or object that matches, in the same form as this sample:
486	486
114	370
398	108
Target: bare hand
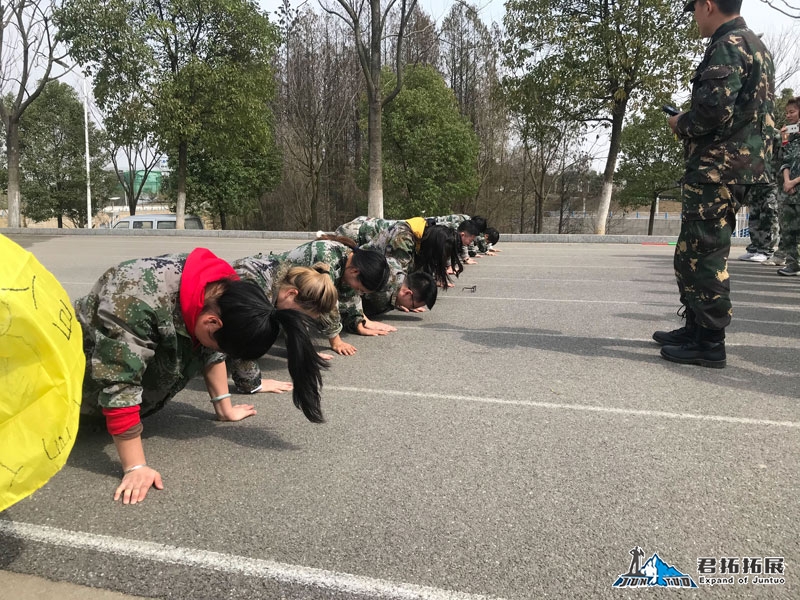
361	329
470	261
415	310
343	348
238	412
325	356
378	326
276	387
673	122
788	187
136	484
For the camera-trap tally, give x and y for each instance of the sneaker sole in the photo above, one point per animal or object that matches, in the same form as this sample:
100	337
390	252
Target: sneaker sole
711	364
795	274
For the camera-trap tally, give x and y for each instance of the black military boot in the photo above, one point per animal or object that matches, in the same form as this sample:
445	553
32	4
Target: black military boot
677	337
706	350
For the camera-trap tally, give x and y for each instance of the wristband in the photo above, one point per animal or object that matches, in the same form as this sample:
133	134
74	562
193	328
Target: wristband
133	468
222	397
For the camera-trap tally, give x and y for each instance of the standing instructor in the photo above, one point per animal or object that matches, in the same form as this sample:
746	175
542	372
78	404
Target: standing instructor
727	135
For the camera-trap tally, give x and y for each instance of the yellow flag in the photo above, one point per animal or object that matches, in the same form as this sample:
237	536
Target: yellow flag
41	373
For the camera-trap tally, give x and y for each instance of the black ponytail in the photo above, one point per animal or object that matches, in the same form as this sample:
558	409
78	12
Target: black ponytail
247	331
305	364
438	247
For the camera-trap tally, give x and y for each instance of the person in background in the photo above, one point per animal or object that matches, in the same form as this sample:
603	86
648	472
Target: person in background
789	196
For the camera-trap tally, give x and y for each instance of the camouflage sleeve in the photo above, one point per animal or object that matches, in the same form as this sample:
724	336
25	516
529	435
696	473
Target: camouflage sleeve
351	311
125	338
481	244
330	325
715	93
246	375
791	157
401	245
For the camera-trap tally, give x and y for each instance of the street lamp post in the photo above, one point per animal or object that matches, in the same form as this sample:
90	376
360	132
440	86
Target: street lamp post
88	177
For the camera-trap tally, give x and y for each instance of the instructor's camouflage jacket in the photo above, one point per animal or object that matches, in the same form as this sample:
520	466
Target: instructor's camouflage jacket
728	131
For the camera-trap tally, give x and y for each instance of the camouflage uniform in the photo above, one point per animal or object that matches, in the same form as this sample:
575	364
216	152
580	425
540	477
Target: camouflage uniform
138	351
394	239
363	229
349	312
762	200
790	203
727	137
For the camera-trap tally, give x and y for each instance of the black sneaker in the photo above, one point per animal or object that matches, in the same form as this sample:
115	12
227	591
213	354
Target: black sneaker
790	270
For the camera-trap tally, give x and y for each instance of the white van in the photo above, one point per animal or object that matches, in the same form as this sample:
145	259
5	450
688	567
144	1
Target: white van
157	222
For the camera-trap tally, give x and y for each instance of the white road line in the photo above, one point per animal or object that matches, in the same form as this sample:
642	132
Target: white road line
575	407
233	564
609	341
444	296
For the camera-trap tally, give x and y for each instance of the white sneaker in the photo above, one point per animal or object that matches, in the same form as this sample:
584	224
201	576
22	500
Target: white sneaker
747	256
758	257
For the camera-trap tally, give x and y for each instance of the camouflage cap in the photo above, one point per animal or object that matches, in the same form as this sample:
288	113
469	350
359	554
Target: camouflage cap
689	6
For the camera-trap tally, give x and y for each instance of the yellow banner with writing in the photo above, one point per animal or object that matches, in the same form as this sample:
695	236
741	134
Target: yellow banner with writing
41	374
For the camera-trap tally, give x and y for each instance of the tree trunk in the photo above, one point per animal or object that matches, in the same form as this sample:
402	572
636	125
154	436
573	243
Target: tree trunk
651	221
223	220
375	194
180	209
522	199
617	116
12	145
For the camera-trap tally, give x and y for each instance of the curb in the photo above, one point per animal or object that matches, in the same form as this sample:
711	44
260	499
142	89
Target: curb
542	238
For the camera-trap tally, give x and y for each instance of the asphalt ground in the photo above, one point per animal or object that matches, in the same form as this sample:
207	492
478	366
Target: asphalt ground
516	442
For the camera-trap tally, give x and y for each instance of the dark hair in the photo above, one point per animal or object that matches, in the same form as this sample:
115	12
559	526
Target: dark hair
492	235
480	222
250	325
439	245
729	7
423	285
373	270
794	101
470	227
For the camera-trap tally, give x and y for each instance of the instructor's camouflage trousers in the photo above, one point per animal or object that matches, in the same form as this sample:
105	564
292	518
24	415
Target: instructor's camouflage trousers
763	203
701	254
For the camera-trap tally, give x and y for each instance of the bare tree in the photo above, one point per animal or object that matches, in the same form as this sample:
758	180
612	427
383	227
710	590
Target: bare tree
785	54
368	47
790	9
28	49
318	93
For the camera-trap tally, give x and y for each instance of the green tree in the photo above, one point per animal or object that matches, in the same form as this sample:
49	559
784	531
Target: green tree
206	66
429	150
612	54
225	186
651	162
52	158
